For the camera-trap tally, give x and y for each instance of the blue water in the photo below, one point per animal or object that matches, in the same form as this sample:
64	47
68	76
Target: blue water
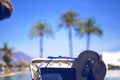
27	76
24	76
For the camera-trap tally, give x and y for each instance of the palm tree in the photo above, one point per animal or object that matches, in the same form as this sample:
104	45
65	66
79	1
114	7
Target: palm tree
7	57
41	29
68	20
6	50
88	28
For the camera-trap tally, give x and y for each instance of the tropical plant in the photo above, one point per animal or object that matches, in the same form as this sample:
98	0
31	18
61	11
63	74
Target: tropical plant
23	64
68	20
88	27
41	29
7	57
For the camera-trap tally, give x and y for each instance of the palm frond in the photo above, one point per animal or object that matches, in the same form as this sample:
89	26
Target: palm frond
68	18
41	29
80	29
98	31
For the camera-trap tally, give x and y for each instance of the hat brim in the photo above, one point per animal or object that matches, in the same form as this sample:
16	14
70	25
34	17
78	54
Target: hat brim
5	9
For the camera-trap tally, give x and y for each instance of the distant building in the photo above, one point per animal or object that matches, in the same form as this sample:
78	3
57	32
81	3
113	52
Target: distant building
111	59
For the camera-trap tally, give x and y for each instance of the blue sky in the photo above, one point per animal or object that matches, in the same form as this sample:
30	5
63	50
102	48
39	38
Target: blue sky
15	30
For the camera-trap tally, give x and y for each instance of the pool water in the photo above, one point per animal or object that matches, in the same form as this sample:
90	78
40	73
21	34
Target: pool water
27	76
23	76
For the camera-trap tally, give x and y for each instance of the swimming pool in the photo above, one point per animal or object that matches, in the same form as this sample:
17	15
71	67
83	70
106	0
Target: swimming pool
27	76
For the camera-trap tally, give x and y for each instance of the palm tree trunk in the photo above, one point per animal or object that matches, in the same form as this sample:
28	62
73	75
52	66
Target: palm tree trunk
41	47
70	41
88	41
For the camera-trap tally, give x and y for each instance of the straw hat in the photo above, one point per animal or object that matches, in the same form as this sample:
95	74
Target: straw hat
6	9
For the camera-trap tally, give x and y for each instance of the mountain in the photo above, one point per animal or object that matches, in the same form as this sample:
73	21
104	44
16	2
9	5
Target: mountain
19	56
